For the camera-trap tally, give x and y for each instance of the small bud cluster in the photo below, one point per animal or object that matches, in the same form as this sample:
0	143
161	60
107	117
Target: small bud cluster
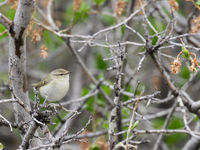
77	5
138	5
176	64
120	8
195	24
34	32
43	51
13	3
174	5
30	27
194	63
36	35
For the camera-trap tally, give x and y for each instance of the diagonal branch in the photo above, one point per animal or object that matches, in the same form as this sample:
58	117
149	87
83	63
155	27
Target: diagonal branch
5	21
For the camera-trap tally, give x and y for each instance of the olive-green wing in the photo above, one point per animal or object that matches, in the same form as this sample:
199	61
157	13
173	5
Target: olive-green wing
42	82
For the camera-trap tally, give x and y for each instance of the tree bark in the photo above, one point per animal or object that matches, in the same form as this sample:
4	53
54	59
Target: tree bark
17	57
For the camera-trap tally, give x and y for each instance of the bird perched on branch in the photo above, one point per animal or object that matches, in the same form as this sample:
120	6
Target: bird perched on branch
55	85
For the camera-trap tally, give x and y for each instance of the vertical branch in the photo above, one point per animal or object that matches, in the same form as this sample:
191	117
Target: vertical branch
17	56
17	63
119	77
119	56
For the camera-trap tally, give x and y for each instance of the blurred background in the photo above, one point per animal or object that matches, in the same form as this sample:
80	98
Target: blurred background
46	52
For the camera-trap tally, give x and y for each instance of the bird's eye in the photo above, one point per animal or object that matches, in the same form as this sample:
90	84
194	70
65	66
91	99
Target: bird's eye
61	74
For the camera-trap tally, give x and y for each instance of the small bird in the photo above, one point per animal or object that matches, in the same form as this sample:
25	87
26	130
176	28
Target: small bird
54	86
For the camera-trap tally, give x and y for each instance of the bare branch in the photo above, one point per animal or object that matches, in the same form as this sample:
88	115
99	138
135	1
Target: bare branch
5	21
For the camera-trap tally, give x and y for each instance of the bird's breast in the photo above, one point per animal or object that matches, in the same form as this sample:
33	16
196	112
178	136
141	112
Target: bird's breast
55	90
